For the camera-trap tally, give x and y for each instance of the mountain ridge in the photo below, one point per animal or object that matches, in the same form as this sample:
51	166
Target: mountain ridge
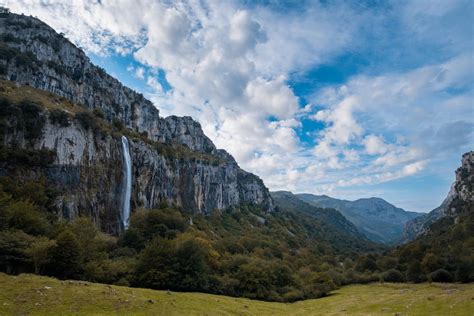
377	219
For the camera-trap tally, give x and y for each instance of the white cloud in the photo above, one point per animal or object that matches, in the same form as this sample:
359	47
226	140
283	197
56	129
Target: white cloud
272	97
140	73
228	66
374	145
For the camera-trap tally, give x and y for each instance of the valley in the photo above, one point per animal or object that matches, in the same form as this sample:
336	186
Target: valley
107	206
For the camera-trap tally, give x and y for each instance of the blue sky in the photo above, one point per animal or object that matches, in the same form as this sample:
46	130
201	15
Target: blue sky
344	98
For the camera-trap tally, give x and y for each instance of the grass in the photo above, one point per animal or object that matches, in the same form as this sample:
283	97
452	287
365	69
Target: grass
16	93
36	295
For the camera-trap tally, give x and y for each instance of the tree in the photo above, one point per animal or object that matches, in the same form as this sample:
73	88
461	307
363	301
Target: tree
465	271
66	256
40	253
13	244
4	10
365	263
393	275
441	275
415	272
155	267
385	263
431	262
26	216
192	265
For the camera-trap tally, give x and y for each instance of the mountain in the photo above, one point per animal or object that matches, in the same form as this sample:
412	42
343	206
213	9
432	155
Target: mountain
334	226
377	219
461	192
69	118
443	250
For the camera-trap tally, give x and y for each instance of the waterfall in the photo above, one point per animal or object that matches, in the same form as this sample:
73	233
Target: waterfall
126	183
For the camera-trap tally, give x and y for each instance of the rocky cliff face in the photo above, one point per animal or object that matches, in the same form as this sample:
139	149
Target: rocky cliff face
461	193
32	53
173	161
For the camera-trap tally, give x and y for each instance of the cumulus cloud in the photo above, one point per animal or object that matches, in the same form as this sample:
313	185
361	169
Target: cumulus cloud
231	66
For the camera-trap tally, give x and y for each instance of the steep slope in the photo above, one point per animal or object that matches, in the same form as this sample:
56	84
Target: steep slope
377	219
79	121
418	225
444	250
334	227
461	192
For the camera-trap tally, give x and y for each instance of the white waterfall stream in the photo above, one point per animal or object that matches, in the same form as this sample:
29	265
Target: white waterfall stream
126	184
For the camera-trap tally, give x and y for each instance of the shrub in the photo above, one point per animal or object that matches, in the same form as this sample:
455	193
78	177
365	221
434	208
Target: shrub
3	70
393	275
10	38
441	275
32	119
87	120
27	60
27	157
98	113
118	124
59	117
7	53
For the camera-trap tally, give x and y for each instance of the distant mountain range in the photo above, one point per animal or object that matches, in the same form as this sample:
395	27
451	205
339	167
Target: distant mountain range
334	227
375	218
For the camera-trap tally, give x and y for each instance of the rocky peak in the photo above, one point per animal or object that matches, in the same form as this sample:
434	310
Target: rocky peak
34	54
460	194
187	131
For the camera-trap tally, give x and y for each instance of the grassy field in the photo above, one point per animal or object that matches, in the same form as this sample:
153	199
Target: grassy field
29	294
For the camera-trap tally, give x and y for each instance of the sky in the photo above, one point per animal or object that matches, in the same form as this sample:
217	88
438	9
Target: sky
350	99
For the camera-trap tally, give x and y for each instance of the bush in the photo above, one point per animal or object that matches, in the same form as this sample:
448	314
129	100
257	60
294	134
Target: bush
59	117
393	275
7	53
10	38
118	124
87	120
32	122
27	157
98	113
27	60
441	275
3	70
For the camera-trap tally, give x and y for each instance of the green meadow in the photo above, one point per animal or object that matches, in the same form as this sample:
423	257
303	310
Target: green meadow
35	295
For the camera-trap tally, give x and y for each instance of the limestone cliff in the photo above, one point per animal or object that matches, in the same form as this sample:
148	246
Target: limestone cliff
173	161
461	193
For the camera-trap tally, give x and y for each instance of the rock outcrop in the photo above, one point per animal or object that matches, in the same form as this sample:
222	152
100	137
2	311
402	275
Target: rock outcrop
461	193
173	161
